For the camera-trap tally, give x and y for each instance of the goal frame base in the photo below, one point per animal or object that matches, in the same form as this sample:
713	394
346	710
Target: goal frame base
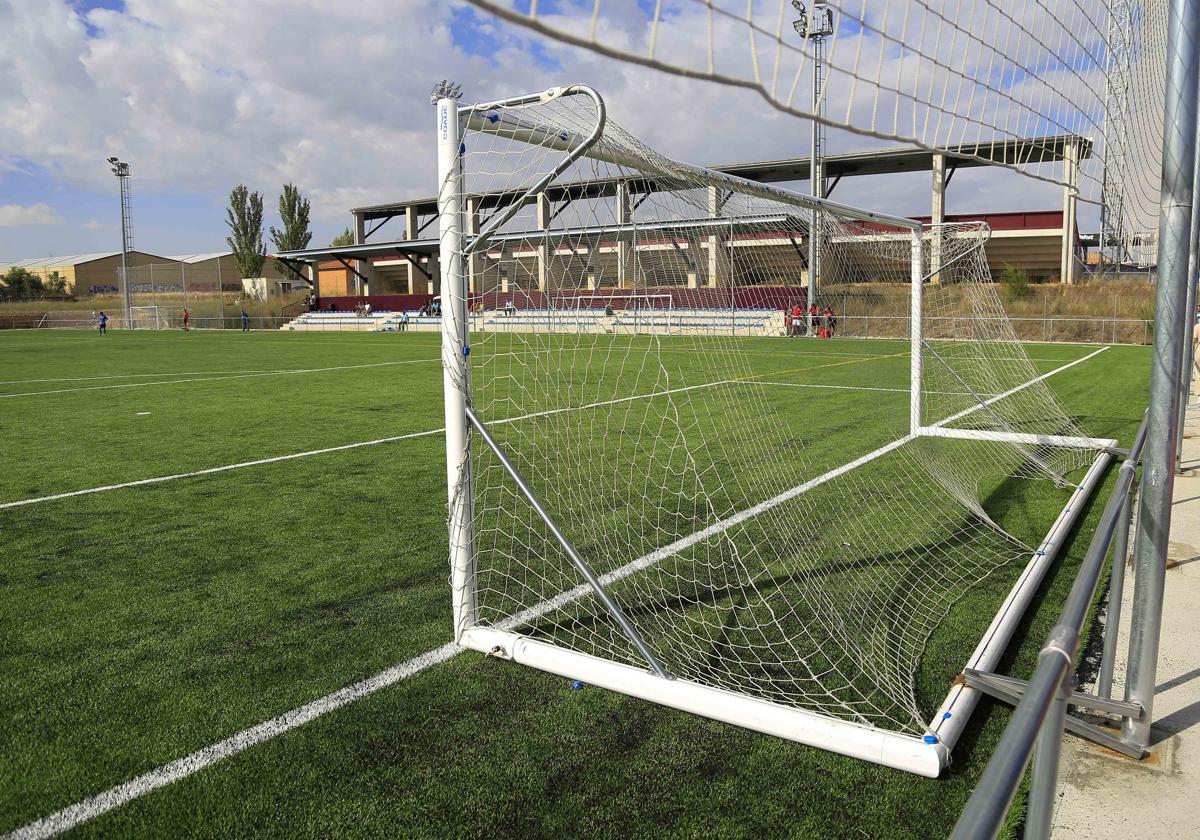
895	750
890	749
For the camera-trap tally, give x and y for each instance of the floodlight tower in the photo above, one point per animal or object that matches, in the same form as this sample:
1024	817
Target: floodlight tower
816	28
121	170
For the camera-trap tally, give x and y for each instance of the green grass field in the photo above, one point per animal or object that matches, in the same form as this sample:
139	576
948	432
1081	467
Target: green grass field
145	623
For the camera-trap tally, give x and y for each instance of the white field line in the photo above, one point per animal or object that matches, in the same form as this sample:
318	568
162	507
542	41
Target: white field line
347	446
1012	391
288	372
133	376
189	765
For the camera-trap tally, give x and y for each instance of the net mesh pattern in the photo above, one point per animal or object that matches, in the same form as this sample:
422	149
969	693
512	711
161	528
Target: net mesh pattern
1006	83
754	504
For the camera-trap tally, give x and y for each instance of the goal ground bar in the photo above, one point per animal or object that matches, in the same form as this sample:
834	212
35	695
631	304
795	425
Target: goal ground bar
891	749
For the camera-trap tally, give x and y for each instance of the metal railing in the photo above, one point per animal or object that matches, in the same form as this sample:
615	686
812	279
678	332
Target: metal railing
1040	718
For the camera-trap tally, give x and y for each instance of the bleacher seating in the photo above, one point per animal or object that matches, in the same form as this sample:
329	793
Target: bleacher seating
661	322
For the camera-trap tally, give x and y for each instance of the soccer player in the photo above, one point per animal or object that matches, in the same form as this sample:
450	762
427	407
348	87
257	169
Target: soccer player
245	321
797	320
103	319
830	322
186	316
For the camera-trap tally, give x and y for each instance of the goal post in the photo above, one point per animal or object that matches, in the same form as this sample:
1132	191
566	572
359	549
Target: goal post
147	318
637	512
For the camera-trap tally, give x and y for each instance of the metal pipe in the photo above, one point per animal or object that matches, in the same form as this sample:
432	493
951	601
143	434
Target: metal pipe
1189	350
987	806
1046	757
1158	477
985	811
1116	596
585	570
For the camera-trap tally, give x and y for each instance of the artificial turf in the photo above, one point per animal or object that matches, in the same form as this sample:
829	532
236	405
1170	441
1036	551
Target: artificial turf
144	623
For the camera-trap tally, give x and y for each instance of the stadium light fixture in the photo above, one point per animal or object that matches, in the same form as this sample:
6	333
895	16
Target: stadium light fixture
815	27
445	90
121	170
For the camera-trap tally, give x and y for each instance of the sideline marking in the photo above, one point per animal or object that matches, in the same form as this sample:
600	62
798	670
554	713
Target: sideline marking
286	372
189	765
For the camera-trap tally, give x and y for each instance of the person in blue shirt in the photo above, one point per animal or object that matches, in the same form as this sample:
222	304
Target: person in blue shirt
103	319
245	321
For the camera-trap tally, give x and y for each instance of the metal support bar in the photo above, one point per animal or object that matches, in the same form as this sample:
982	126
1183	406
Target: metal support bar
1116	595
416	264
578	561
559	209
1045	766
837	179
641	201
385	220
800	252
950	170
1011	690
428	222
352	269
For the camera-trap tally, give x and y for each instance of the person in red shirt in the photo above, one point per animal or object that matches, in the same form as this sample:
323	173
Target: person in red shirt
185	319
797	320
814	317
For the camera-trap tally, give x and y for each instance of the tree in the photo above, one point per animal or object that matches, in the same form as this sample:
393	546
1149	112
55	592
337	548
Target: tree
56	284
20	282
293	212
343	238
245	219
295	236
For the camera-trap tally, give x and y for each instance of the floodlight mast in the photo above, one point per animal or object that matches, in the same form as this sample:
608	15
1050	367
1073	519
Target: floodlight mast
121	170
816	28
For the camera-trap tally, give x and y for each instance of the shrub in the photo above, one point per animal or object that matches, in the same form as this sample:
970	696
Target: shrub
1016	284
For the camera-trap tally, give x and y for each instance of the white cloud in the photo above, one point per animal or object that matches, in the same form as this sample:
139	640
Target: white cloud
15	215
93	225
200	96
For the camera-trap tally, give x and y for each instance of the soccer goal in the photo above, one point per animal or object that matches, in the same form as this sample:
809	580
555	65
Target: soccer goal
652	513
147	318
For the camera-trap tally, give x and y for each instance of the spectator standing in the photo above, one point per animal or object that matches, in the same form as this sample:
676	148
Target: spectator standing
103	319
797	320
245	321
830	322
186	317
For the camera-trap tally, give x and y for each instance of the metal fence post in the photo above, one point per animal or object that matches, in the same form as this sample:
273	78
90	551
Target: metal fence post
1158	475
1116	595
1185	381
1044	785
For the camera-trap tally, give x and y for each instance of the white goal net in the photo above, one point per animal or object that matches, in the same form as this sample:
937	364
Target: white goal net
147	318
778	525
1003	83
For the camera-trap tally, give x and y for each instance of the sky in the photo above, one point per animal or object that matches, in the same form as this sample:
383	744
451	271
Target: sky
201	95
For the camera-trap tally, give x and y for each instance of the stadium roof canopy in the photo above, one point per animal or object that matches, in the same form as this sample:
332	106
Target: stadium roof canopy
837	166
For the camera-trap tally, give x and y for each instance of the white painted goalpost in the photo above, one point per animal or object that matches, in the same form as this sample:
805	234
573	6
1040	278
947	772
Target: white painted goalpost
147	318
658	526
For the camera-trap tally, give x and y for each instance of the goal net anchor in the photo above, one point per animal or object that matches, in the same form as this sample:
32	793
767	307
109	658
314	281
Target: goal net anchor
781	658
